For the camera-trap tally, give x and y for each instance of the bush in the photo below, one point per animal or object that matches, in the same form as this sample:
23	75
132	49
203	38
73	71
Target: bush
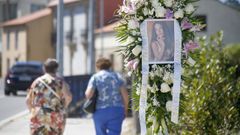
232	53
211	92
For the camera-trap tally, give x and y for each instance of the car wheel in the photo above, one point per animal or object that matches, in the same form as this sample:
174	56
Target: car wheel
6	92
14	92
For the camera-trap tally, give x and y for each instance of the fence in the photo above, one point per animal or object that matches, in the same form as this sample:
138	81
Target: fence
78	85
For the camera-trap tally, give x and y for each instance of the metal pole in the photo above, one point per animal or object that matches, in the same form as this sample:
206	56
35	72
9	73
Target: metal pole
60	36
101	25
91	46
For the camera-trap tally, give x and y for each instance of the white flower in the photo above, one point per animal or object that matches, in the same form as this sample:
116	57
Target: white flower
129	73
179	14
151	118
140	18
168	78
189	8
139	39
169	106
136	50
151	12
155	102
138	89
165	88
168	3
159	72
191	61
134	33
155	3
154	66
155	87
151	75
130	39
133	24
145	11
160	11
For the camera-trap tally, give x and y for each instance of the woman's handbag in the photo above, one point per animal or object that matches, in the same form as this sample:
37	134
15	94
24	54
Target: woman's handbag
90	104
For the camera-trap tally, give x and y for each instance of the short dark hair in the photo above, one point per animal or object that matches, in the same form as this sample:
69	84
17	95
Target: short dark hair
103	63
51	65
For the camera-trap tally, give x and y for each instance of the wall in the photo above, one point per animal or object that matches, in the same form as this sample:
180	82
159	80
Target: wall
39	39
221	17
79	58
13	53
110	46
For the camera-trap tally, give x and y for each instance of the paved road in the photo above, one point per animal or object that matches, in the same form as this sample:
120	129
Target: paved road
11	105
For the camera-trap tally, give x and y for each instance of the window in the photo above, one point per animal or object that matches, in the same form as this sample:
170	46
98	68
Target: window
203	19
16	39
35	7
8	63
16	59
8	40
9	12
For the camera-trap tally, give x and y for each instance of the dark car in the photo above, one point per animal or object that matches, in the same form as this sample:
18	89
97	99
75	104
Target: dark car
21	75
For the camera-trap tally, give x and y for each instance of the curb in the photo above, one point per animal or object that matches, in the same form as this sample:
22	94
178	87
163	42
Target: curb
12	118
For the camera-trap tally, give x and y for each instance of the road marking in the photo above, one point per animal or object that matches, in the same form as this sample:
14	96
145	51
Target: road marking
12	118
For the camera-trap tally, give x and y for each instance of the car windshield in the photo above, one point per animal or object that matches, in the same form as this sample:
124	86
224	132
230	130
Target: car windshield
31	69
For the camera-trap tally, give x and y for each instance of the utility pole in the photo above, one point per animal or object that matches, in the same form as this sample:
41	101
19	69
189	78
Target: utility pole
101	25
60	35
91	46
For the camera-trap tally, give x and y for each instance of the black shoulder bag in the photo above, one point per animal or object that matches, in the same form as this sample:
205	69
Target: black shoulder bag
90	104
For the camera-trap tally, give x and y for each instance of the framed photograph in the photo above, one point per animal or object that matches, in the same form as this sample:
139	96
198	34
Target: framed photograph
160	40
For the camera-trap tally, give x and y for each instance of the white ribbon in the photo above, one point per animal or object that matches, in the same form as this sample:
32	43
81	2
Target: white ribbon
145	72
177	72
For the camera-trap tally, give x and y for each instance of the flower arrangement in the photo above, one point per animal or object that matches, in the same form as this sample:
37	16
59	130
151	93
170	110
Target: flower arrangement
132	14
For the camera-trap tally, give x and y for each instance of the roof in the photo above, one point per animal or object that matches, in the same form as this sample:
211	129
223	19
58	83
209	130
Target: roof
107	28
30	63
55	2
28	18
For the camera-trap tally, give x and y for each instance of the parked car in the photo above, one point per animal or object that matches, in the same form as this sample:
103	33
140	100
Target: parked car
21	75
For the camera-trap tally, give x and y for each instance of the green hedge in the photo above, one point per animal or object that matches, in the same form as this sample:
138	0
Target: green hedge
211	90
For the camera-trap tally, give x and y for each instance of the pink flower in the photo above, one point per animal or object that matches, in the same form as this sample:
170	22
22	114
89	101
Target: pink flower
132	64
169	14
185	24
128	7
135	64
190	46
129	65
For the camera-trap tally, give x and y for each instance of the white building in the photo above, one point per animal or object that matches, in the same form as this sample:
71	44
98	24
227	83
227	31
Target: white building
75	32
219	16
106	46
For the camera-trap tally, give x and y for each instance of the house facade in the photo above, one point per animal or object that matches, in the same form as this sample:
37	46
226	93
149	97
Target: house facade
11	9
75	31
106	46
27	39
219	16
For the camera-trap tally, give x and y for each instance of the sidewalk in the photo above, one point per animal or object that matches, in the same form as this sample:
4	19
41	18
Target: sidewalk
74	126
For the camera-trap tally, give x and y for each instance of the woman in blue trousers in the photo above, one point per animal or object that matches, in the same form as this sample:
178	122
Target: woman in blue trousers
112	101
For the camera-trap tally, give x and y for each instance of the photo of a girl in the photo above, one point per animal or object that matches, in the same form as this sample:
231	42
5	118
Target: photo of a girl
161	41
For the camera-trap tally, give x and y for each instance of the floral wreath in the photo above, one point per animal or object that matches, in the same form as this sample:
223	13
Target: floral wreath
132	14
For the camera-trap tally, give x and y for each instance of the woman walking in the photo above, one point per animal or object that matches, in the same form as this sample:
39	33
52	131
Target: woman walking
47	100
112	101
